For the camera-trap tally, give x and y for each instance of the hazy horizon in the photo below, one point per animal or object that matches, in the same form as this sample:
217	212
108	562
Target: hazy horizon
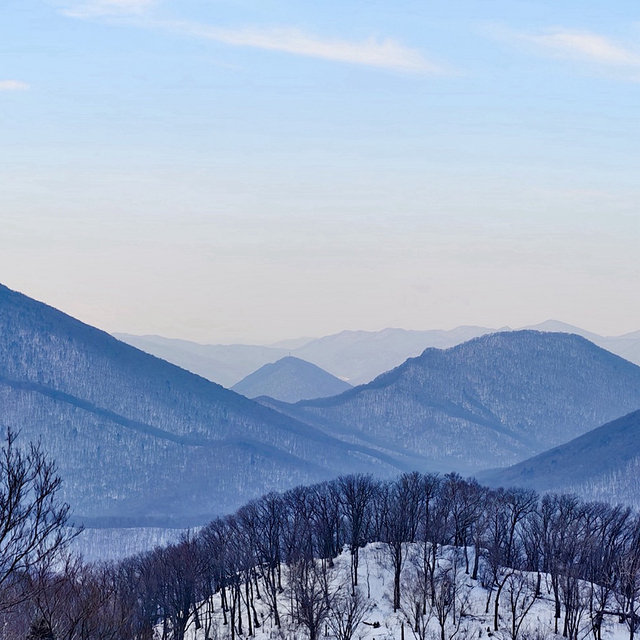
293	339
298	338
247	172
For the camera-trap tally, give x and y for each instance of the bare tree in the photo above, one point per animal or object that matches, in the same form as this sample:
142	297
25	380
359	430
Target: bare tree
309	591
401	503
447	599
33	520
356	495
82	602
268	518
520	593
348	612
327	521
181	567
609	532
628	572
416	592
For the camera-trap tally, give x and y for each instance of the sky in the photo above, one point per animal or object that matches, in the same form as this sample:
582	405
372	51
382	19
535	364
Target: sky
235	171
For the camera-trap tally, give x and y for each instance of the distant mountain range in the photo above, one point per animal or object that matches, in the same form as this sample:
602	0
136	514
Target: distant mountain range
489	402
602	464
141	441
355	356
224	364
290	380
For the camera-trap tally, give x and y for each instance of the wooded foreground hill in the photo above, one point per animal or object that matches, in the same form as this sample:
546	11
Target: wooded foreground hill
425	556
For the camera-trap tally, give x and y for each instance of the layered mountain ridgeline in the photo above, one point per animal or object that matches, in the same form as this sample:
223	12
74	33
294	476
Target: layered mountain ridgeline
290	380
355	356
602	464
225	364
360	356
626	346
492	401
140	441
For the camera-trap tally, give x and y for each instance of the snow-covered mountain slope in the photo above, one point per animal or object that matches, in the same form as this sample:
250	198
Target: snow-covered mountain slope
290	380
599	465
492	401
138	440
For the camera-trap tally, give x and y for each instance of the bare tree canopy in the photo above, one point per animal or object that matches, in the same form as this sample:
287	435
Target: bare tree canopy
33	520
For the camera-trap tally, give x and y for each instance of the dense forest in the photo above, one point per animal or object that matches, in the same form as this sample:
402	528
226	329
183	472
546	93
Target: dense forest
433	532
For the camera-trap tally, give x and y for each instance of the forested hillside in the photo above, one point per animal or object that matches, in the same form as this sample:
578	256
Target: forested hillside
141	441
600	465
491	401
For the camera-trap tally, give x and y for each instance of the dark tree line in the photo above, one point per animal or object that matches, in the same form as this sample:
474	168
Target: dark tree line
270	563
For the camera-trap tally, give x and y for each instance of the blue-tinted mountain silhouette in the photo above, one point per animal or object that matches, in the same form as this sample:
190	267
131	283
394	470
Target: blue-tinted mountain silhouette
139	440
291	379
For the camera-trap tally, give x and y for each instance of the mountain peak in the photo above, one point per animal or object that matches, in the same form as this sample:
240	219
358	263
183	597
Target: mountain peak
488	400
291	379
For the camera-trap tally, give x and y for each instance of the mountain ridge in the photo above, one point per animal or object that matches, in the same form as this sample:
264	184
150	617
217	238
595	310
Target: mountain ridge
463	388
604	450
151	434
357	356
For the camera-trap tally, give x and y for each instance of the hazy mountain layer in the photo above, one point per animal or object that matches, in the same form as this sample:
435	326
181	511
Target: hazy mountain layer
138	440
291	379
601	464
360	356
489	402
356	356
626	346
221	363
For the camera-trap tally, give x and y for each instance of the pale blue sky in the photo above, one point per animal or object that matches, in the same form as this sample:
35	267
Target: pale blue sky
253	171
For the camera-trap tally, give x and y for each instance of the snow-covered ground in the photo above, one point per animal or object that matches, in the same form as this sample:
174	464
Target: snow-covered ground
467	604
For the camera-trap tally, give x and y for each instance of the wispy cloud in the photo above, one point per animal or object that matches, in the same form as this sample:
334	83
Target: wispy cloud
587	46
105	8
382	53
13	85
583	46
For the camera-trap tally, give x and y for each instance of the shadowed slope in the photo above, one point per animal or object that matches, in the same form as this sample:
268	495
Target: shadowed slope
139	440
597	454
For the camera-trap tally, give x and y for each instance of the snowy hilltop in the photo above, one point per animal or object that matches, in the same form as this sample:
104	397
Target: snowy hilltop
319	602
354	558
